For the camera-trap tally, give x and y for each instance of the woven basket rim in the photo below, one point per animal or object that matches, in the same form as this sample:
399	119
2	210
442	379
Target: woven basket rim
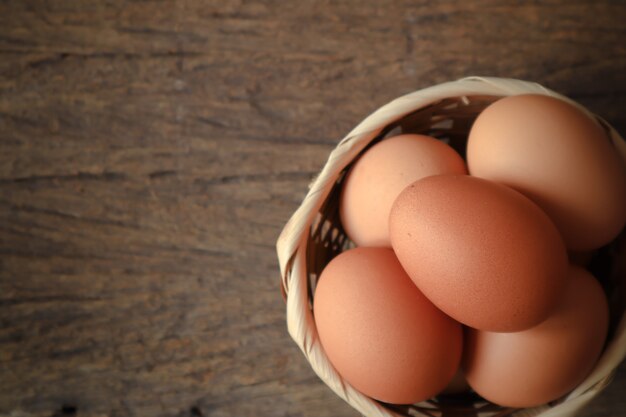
292	243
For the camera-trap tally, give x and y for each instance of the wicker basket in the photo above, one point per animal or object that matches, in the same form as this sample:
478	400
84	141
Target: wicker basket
314	235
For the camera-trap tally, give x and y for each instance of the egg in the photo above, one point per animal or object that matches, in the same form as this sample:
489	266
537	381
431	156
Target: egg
557	156
538	365
482	252
380	174
380	332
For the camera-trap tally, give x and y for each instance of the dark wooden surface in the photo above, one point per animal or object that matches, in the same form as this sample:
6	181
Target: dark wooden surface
150	152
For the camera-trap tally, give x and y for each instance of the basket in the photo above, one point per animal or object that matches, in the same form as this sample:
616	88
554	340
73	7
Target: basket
314	235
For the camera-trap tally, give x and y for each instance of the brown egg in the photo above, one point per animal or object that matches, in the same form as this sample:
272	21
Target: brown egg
541	364
558	157
380	332
381	174
480	251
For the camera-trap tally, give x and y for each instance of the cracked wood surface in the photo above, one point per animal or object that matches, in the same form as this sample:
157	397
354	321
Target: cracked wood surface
151	151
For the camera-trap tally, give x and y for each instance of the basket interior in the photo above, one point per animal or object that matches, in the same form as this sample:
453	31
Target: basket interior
448	120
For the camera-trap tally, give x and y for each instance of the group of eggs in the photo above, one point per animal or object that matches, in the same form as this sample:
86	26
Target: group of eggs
462	271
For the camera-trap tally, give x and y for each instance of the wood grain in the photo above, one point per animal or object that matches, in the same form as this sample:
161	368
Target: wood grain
151	151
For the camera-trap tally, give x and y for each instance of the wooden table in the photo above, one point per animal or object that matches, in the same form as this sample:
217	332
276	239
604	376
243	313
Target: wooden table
151	151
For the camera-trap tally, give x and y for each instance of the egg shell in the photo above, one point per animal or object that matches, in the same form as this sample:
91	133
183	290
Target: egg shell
380	332
381	173
541	364
481	252
557	156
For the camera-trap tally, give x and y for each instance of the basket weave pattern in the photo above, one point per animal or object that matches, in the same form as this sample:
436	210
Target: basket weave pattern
313	236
